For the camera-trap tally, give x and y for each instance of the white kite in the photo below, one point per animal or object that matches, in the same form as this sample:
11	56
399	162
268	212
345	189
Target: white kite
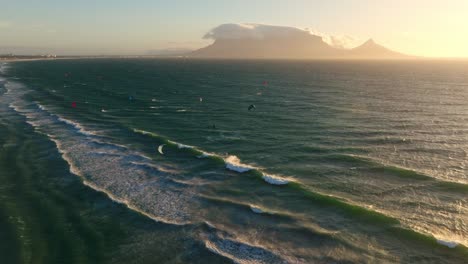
160	149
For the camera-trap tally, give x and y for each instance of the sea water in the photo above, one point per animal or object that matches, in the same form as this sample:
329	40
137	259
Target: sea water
339	161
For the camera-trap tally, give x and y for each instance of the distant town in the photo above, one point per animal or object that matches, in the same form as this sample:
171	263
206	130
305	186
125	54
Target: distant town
14	57
26	57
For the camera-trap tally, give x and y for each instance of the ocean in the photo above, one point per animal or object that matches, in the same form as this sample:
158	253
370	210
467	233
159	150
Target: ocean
161	161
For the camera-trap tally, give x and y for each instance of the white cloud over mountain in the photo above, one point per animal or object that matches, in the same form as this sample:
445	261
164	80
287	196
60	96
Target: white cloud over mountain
339	41
249	30
261	31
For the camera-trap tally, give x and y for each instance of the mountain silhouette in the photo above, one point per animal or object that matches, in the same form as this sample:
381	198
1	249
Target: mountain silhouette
372	50
255	41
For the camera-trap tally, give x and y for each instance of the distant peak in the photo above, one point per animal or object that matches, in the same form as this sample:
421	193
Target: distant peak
370	42
266	41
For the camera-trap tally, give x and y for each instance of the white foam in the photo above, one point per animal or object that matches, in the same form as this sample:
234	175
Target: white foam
256	209
73	169
159	168
180	145
204	155
131	207
3	67
233	163
241	251
275	180
41	107
181	110
113	173
210	225
450	244
144	132
14	107
104	174
35	125
76	125
112	144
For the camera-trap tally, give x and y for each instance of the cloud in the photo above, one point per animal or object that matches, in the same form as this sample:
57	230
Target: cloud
340	41
256	31
261	31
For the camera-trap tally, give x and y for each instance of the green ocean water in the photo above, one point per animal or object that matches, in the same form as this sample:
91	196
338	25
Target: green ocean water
160	161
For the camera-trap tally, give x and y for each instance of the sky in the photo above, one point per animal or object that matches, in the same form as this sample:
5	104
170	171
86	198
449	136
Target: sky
431	28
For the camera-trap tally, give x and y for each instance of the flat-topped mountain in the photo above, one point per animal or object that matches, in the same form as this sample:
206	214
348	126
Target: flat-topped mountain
254	41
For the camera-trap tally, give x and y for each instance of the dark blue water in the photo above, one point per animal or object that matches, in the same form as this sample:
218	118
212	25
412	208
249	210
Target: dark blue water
338	161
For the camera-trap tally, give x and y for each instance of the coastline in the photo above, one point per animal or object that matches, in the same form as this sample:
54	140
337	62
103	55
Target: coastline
32	59
37	58
420	59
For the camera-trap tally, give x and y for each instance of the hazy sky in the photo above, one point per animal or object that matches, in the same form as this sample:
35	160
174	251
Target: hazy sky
420	27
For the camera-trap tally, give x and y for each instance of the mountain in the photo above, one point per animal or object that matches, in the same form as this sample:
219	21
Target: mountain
295	47
372	50
258	41
309	47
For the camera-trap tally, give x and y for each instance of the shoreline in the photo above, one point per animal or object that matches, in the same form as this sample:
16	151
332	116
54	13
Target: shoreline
34	59
3	59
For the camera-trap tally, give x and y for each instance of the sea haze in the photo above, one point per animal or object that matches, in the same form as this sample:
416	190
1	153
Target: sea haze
143	161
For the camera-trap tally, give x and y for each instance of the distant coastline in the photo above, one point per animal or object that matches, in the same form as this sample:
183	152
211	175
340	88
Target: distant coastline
19	58
14	58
